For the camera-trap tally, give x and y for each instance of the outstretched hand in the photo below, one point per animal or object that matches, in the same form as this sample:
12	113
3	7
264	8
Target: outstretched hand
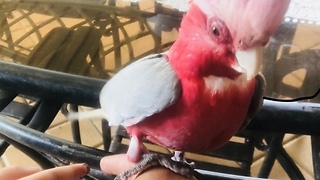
75	171
112	165
117	164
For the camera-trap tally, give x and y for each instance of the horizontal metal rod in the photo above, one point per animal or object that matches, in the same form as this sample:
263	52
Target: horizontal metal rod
288	117
285	117
50	145
49	84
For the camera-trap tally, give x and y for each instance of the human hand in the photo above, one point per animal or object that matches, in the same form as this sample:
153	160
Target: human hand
74	171
117	164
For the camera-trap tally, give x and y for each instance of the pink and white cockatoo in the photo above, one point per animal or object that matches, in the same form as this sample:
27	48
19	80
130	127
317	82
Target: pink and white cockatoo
197	95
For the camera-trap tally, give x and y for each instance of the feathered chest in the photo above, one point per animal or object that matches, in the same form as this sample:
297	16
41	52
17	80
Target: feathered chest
223	85
206	110
222	95
218	91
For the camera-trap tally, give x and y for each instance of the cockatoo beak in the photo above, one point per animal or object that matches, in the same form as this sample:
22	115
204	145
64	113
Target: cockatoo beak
250	61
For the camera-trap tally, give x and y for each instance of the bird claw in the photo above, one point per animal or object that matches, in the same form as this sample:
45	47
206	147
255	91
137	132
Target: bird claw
150	160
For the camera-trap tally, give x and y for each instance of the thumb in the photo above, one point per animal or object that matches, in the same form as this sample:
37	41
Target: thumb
17	172
115	164
74	171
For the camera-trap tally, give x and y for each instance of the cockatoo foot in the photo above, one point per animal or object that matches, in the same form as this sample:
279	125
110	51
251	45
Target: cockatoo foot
150	160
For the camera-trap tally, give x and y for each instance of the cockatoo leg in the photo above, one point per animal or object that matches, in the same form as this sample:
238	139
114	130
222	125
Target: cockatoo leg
177	164
179	157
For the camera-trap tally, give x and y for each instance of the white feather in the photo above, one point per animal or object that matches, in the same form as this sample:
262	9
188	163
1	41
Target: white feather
96	113
142	89
221	84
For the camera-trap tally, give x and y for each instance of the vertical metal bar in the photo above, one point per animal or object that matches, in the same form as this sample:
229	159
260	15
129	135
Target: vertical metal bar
75	127
271	155
41	120
315	143
116	42
24	121
116	140
116	39
106	134
33	154
247	164
45	114
5	98
289	165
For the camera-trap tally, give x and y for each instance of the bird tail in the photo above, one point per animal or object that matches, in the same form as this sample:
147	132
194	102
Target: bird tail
95	113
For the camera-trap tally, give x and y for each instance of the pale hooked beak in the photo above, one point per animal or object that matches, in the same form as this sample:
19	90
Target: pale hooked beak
250	61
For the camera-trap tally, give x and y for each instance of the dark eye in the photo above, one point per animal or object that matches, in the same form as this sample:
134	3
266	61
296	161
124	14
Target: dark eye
215	31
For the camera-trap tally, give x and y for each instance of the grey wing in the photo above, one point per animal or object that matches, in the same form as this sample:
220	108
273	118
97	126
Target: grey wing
142	89
256	101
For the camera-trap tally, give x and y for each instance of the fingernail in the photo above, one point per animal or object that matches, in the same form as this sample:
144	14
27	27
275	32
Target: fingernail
87	167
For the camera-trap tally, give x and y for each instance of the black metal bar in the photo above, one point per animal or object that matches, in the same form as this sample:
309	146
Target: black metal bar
44	115
75	127
106	134
24	121
46	161
114	146
289	165
315	142
50	84
5	98
247	165
36	156
287	117
274	145
50	145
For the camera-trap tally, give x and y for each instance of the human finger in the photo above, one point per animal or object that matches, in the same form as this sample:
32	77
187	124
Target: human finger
70	172
16	172
119	163
115	164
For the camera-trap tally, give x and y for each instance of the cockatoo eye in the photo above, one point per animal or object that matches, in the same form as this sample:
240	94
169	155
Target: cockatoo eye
215	31
218	31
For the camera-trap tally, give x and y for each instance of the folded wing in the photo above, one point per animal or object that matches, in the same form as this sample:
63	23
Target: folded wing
140	90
